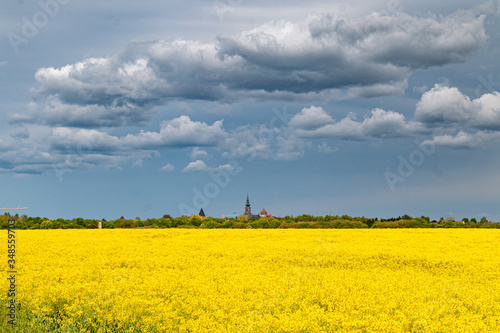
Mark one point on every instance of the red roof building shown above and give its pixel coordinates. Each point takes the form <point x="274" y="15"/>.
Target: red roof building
<point x="248" y="212"/>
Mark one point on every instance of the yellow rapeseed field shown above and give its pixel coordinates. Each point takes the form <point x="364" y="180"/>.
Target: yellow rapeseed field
<point x="180" y="280"/>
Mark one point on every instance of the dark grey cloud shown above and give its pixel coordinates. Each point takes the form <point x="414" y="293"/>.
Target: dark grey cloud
<point x="414" y="42"/>
<point x="51" y="111"/>
<point x="326" y="52"/>
<point x="322" y="55"/>
<point x="24" y="155"/>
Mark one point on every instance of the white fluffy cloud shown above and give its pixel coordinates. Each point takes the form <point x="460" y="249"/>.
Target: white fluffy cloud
<point x="168" y="168"/>
<point x="42" y="153"/>
<point x="380" y="124"/>
<point x="198" y="153"/>
<point x="66" y="148"/>
<point x="488" y="115"/>
<point x="175" y="133"/>
<point x="389" y="124"/>
<point x="311" y="118"/>
<point x="464" y="140"/>
<point x="178" y="132"/>
<point x="199" y="165"/>
<point x="102" y="81"/>
<point x="444" y="105"/>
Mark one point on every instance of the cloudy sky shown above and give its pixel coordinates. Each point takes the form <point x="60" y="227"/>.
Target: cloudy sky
<point x="145" y="108"/>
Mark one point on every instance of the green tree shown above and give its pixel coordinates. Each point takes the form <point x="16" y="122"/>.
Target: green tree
<point x="79" y="221"/>
<point x="21" y="224"/>
<point x="90" y="224"/>
<point x="123" y="223"/>
<point x="180" y="220"/>
<point x="484" y="219"/>
<point x="195" y="220"/>
<point x="4" y="222"/>
<point x="473" y="220"/>
<point x="47" y="224"/>
<point x="164" y="222"/>
<point x="465" y="219"/>
<point x="209" y="223"/>
<point x="108" y="224"/>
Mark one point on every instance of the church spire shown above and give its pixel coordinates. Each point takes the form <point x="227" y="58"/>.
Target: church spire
<point x="248" y="211"/>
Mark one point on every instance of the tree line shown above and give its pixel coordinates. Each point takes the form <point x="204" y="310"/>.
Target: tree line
<point x="302" y="221"/>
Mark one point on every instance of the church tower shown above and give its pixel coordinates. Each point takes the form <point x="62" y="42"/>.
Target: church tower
<point x="248" y="211"/>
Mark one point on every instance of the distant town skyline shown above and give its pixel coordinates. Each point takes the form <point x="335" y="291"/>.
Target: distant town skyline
<point x="378" y="109"/>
